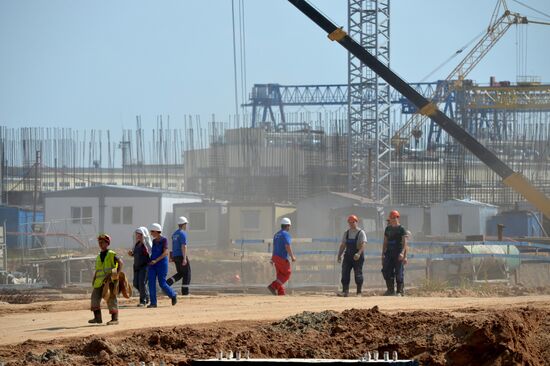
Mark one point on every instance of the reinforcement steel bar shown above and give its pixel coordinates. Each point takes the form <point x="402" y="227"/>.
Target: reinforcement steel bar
<point x="515" y="180"/>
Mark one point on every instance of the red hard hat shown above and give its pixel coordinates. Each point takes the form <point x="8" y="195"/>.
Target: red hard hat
<point x="353" y="218"/>
<point x="394" y="214"/>
<point x="104" y="237"/>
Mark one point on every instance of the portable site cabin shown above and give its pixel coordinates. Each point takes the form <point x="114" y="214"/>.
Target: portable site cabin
<point x="256" y="220"/>
<point x="517" y="223"/>
<point x="20" y="225"/>
<point x="208" y="222"/>
<point x="460" y="218"/>
<point x="415" y="219"/>
<point x="116" y="210"/>
<point x="324" y="215"/>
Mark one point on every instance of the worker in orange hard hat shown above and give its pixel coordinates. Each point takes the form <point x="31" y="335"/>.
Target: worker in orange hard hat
<point x="394" y="255"/>
<point x="352" y="246"/>
<point x="107" y="266"/>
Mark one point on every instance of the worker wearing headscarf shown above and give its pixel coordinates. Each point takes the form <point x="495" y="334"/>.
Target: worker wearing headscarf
<point x="107" y="266"/>
<point x="158" y="266"/>
<point x="142" y="256"/>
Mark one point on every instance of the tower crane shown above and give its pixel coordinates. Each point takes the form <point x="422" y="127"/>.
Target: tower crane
<point x="515" y="180"/>
<point x="498" y="26"/>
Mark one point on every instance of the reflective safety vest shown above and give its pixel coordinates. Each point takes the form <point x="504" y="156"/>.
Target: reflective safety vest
<point x="104" y="268"/>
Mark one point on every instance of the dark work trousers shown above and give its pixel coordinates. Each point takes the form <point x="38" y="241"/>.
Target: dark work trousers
<point x="183" y="273"/>
<point x="140" y="283"/>
<point x="348" y="263"/>
<point x="393" y="268"/>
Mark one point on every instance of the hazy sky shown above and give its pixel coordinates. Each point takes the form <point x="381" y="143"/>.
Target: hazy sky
<point x="97" y="64"/>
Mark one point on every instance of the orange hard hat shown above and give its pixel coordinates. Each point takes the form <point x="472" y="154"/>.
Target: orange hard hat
<point x="394" y="214"/>
<point x="353" y="218"/>
<point x="106" y="238"/>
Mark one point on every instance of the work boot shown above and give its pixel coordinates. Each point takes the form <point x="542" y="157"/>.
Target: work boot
<point x="151" y="306"/>
<point x="97" y="318"/>
<point x="359" y="290"/>
<point x="114" y="319"/>
<point x="170" y="281"/>
<point x="272" y="290"/>
<point x="390" y="288"/>
<point x="344" y="293"/>
<point x="174" y="300"/>
<point x="400" y="289"/>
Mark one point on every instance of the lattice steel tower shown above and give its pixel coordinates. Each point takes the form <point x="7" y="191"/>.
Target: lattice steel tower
<point x="369" y="102"/>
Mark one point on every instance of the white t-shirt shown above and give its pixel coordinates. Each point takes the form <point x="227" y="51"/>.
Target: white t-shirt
<point x="362" y="238"/>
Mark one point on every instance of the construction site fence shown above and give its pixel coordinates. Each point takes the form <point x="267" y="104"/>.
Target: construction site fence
<point x="317" y="264"/>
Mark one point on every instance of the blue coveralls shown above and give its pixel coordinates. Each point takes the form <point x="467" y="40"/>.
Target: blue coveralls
<point x="348" y="263"/>
<point x="392" y="268"/>
<point x="159" y="271"/>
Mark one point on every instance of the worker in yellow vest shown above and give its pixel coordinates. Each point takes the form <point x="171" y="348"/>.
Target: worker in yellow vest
<point x="106" y="264"/>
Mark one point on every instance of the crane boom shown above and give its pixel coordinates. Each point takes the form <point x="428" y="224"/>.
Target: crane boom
<point x="512" y="179"/>
<point x="496" y="29"/>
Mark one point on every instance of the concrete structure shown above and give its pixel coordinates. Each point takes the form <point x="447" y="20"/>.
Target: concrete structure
<point x="255" y="220"/>
<point x="208" y="223"/>
<point x="458" y="218"/>
<point x="324" y="215"/>
<point x="116" y="210"/>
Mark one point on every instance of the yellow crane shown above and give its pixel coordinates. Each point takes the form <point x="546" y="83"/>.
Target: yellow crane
<point x="515" y="180"/>
<point x="498" y="26"/>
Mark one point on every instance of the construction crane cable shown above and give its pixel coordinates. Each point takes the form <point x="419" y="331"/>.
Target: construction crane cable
<point x="235" y="62"/>
<point x="456" y="53"/>
<point x="242" y="38"/>
<point x="535" y="10"/>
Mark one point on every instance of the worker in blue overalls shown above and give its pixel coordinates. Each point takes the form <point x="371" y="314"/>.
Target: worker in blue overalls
<point x="353" y="247"/>
<point x="158" y="267"/>
<point x="394" y="255"/>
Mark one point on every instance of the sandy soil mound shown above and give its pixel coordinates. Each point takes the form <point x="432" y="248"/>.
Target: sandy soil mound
<point x="480" y="337"/>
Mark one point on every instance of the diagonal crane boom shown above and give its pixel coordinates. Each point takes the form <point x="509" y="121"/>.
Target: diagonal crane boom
<point x="512" y="179"/>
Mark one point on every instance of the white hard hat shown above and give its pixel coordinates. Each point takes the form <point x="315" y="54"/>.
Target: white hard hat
<point x="286" y="221"/>
<point x="155" y="227"/>
<point x="182" y="220"/>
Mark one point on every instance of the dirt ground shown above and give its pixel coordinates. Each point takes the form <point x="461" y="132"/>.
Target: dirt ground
<point x="439" y="330"/>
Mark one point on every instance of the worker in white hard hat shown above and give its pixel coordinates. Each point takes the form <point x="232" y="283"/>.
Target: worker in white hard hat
<point x="179" y="256"/>
<point x="282" y="254"/>
<point x="158" y="267"/>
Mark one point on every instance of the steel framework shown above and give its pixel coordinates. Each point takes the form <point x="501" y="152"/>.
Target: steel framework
<point x="369" y="119"/>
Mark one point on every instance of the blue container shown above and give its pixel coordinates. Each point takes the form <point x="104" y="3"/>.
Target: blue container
<point x="19" y="220"/>
<point x="517" y="224"/>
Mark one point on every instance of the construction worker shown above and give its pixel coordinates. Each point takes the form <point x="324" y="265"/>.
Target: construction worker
<point x="158" y="267"/>
<point x="353" y="247"/>
<point x="107" y="265"/>
<point x="282" y="252"/>
<point x="179" y="257"/>
<point x="142" y="256"/>
<point x="394" y="255"/>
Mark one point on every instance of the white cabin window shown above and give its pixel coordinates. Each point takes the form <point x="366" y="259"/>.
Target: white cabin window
<point x="197" y="221"/>
<point x="122" y="215"/>
<point x="455" y="223"/>
<point x="250" y="219"/>
<point x="81" y="215"/>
